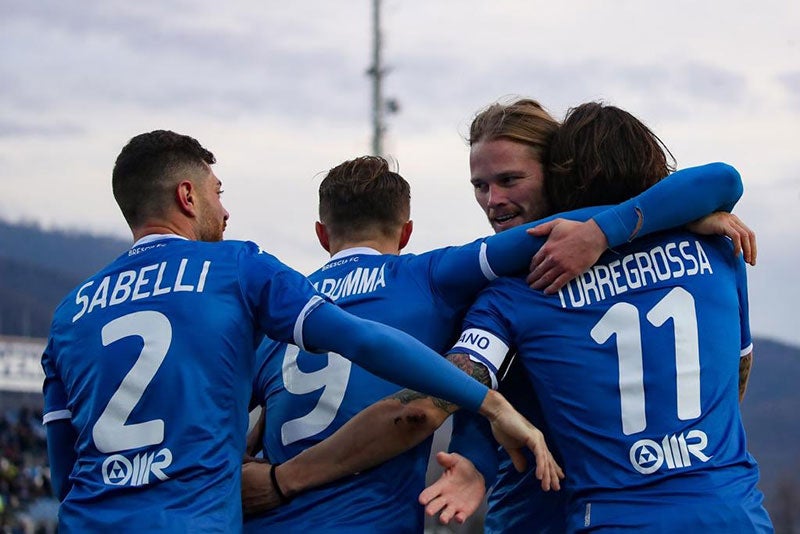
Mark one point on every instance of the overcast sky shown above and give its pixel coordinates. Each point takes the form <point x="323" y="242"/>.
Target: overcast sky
<point x="278" y="92"/>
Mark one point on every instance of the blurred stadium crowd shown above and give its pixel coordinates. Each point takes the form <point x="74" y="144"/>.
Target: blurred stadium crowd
<point x="26" y="502"/>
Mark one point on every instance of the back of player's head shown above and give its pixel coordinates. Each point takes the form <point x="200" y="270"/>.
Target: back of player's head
<point x="362" y="195"/>
<point x="602" y="155"/>
<point x="523" y="121"/>
<point x="150" y="166"/>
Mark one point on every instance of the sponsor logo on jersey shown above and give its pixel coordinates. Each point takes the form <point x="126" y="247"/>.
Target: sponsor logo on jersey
<point x="674" y="452"/>
<point x="120" y="471"/>
<point x="145" y="248"/>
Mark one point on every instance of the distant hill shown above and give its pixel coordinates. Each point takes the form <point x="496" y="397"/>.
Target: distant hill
<point x="38" y="268"/>
<point x="771" y="414"/>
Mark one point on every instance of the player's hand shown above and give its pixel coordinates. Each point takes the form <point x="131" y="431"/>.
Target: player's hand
<point x="457" y="493"/>
<point x="571" y="248"/>
<point x="731" y="226"/>
<point x="513" y="432"/>
<point x="258" y="494"/>
<point x="256" y="433"/>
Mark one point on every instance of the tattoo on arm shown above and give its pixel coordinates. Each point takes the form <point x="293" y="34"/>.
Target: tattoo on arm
<point x="406" y="396"/>
<point x="745" y="364"/>
<point x="476" y="370"/>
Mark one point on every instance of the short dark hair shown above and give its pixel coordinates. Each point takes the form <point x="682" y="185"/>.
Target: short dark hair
<point x="147" y="169"/>
<point x="602" y="154"/>
<point x="362" y="194"/>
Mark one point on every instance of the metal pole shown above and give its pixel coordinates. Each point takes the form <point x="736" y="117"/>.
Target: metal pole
<point x="376" y="72"/>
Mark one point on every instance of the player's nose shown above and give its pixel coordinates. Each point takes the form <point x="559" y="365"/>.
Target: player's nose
<point x="496" y="196"/>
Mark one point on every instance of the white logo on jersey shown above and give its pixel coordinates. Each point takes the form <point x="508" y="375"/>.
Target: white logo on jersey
<point x="119" y="471"/>
<point x="647" y="456"/>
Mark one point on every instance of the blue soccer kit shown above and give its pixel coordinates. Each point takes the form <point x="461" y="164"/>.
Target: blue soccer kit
<point x="516" y="502"/>
<point x="150" y="364"/>
<point x="636" y="365"/>
<point x="148" y="359"/>
<point x="308" y="398"/>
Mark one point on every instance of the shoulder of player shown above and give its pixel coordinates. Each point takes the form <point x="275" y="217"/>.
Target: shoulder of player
<point x="674" y="235"/>
<point x="675" y="243"/>
<point x="508" y="284"/>
<point x="240" y="249"/>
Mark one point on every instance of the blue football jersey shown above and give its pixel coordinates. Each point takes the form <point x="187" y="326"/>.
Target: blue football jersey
<point x="152" y="360"/>
<point x="309" y="397"/>
<point x="636" y="366"/>
<point x="516" y="503"/>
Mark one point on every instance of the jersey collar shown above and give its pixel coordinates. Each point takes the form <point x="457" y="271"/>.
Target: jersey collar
<point x="150" y="238"/>
<point x="353" y="251"/>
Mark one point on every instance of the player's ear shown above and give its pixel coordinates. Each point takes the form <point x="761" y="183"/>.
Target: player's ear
<point x="322" y="235"/>
<point x="405" y="233"/>
<point x="185" y="197"/>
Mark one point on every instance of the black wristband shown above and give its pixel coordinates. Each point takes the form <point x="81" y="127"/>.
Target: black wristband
<point x="281" y="496"/>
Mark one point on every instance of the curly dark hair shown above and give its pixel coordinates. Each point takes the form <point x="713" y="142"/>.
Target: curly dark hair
<point x="149" y="166"/>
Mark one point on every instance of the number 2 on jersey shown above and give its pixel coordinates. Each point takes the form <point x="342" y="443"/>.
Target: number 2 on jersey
<point x="332" y="379"/>
<point x="622" y="320"/>
<point x="110" y="433"/>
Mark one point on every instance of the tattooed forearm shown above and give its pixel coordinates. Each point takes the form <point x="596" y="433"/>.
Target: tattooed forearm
<point x="406" y="396"/>
<point x="745" y="364"/>
<point x="478" y="371"/>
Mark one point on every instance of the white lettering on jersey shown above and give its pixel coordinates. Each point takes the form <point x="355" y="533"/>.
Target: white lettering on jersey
<point x="482" y="347"/>
<point x="148" y="281"/>
<point x="661" y="263"/>
<point x="356" y="282"/>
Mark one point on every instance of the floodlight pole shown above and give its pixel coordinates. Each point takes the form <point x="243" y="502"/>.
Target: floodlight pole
<point x="376" y="72"/>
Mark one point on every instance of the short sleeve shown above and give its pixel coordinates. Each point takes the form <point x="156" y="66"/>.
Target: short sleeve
<point x="486" y="334"/>
<point x="746" y="342"/>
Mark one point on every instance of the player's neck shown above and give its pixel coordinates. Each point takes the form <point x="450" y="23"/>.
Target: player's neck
<point x="162" y="227"/>
<point x="384" y="246"/>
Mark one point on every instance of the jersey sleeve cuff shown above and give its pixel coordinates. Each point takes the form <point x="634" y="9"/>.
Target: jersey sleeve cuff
<point x="56" y="415"/>
<point x="310" y="306"/>
<point x="486" y="268"/>
<point x="617" y="230"/>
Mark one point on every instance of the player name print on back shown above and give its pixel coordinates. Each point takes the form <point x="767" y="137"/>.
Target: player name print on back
<point x="356" y="282"/>
<point x="148" y="281"/>
<point x="639" y="269"/>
